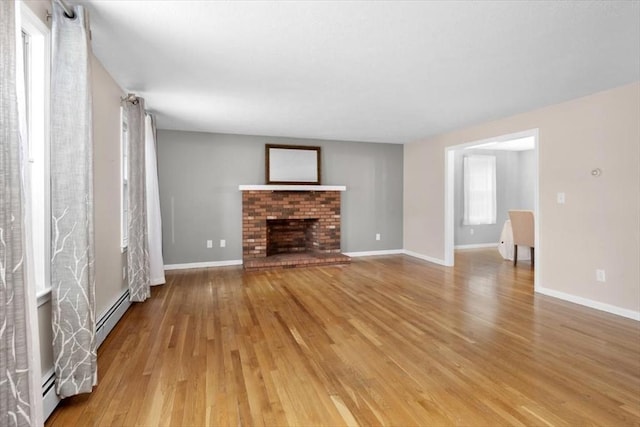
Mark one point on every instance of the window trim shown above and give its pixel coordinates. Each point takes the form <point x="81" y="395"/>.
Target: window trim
<point x="38" y="58"/>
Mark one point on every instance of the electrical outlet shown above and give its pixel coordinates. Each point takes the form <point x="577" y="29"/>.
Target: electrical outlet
<point x="209" y="244"/>
<point x="471" y="231"/>
<point x="377" y="236"/>
<point x="223" y="243"/>
<point x="560" y="198"/>
<point x="600" y="276"/>
<point x="124" y="273"/>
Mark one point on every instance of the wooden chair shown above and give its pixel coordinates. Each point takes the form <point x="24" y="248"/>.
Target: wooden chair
<point x="522" y="225"/>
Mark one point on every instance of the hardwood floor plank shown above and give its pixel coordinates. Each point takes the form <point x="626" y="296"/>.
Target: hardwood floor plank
<point x="384" y="341"/>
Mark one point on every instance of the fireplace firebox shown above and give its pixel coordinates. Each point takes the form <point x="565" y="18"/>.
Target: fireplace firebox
<point x="290" y="236"/>
<point x="290" y="228"/>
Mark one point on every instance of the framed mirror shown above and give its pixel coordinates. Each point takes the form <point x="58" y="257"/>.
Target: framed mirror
<point x="292" y="164"/>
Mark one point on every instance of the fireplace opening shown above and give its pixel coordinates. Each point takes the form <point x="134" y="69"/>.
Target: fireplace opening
<point x="292" y="236"/>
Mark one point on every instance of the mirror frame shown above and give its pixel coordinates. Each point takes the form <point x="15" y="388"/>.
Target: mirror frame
<point x="269" y="147"/>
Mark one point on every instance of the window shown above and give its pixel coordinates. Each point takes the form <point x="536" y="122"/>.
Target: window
<point x="479" y="190"/>
<point x="36" y="62"/>
<point x="124" y="172"/>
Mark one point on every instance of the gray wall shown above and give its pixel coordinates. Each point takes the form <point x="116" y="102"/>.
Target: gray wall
<point x="527" y="178"/>
<point x="515" y="181"/>
<point x="199" y="174"/>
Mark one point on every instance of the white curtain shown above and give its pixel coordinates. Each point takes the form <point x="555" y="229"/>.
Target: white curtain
<point x="72" y="233"/>
<point x="479" y="190"/>
<point x="154" y="220"/>
<point x="20" y="390"/>
<point x="138" y="244"/>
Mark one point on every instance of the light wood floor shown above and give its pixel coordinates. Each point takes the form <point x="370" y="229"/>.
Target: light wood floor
<point x="386" y="340"/>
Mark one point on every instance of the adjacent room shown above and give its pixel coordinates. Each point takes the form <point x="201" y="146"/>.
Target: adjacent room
<point x="319" y="213"/>
<point x="490" y="179"/>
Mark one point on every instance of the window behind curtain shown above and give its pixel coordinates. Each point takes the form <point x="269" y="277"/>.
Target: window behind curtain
<point x="124" y="172"/>
<point x="479" y="190"/>
<point x="26" y="57"/>
<point x="35" y="49"/>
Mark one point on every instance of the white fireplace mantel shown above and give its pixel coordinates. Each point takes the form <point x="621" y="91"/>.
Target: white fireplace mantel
<point x="287" y="187"/>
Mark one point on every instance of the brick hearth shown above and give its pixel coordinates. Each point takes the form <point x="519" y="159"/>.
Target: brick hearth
<point x="290" y="228"/>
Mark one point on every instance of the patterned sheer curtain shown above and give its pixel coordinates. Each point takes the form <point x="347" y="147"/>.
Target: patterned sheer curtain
<point x="72" y="246"/>
<point x="138" y="243"/>
<point x="20" y="394"/>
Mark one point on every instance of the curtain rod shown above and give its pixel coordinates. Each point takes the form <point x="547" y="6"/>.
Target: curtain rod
<point x="67" y="10"/>
<point x="131" y="97"/>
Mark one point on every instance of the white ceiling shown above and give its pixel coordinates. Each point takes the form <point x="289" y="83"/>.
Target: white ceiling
<point x="361" y="70"/>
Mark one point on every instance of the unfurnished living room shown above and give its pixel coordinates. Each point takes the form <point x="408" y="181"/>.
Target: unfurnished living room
<point x="305" y="213"/>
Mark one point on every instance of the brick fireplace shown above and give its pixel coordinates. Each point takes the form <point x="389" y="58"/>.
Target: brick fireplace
<point x="290" y="228"/>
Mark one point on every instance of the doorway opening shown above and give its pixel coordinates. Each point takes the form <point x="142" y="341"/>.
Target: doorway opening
<point x="510" y="151"/>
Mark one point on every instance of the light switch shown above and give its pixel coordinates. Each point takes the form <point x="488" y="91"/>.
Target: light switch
<point x="560" y="198"/>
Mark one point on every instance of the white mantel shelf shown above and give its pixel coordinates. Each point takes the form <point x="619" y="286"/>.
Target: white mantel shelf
<point x="292" y="188"/>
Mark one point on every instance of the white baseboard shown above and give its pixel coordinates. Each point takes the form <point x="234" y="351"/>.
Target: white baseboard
<point x="630" y="314"/>
<point x="109" y="318"/>
<point x="374" y="253"/>
<point x="202" y="264"/>
<point x="424" y="257"/>
<point x="477" y="246"/>
<point x="105" y="324"/>
<point x="50" y="399"/>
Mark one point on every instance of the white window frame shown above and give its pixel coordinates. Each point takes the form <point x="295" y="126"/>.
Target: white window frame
<point x="124" y="180"/>
<point x="37" y="88"/>
<point x="480" y="205"/>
